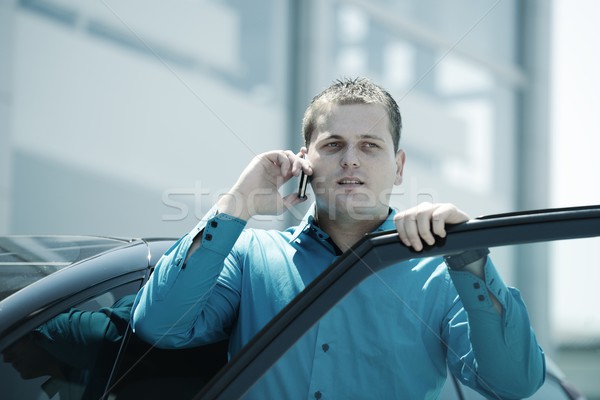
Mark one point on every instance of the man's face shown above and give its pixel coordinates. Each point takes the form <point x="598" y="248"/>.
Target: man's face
<point x="353" y="160"/>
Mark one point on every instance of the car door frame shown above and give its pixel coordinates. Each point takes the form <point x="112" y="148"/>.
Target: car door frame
<point x="374" y="253"/>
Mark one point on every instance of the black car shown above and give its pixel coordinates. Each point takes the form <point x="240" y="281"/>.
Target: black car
<point x="65" y="302"/>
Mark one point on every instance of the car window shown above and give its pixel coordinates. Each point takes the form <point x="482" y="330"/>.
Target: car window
<point x="379" y="355"/>
<point x="71" y="355"/>
<point x="149" y="372"/>
<point x="27" y="259"/>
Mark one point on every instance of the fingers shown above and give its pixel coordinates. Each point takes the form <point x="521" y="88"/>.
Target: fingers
<point x="424" y="229"/>
<point x="414" y="226"/>
<point x="301" y="163"/>
<point x="439" y="217"/>
<point x="419" y="225"/>
<point x="302" y="152"/>
<point x="281" y="165"/>
<point x="446" y="214"/>
<point x="291" y="164"/>
<point x="285" y="160"/>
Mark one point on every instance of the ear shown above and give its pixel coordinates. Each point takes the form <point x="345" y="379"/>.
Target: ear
<point x="400" y="160"/>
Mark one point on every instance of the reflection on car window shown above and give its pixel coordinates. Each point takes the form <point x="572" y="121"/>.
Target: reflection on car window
<point x="380" y="357"/>
<point x="376" y="357"/>
<point x="71" y="355"/>
<point x="26" y="259"/>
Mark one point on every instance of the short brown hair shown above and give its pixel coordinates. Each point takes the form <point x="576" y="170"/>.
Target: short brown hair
<point x="353" y="91"/>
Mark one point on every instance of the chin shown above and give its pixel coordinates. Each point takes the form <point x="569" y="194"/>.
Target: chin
<point x="357" y="207"/>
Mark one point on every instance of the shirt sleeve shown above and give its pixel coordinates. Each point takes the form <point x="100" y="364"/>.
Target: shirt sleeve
<point x="77" y="337"/>
<point x="181" y="305"/>
<point x="501" y="357"/>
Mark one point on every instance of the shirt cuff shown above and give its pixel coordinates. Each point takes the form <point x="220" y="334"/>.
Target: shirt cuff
<point x="219" y="231"/>
<point x="475" y="292"/>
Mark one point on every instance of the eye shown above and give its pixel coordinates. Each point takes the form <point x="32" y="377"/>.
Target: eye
<point x="371" y="145"/>
<point x="333" y="144"/>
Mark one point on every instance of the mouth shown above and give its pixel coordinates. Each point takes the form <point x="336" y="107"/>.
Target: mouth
<point x="350" y="181"/>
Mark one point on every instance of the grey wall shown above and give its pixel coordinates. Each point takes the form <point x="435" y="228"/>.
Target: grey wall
<point x="7" y="10"/>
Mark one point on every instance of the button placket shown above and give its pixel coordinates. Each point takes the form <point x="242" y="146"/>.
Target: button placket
<point x="322" y="361"/>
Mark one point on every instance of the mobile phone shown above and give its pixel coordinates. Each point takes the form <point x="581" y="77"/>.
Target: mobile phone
<point x="302" y="185"/>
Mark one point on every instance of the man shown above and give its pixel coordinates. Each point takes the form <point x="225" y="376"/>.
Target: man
<point x="222" y="280"/>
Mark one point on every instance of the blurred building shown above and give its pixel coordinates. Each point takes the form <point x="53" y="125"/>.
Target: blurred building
<point x="130" y="118"/>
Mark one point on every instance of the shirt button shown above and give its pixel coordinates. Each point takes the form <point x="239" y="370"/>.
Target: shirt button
<point x="481" y="297"/>
<point x="213" y="224"/>
<point x="318" y="395"/>
<point x="208" y="237"/>
<point x="325" y="347"/>
<point x="476" y="285"/>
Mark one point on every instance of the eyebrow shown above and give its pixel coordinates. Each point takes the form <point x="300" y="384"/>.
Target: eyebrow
<point x="365" y="136"/>
<point x="372" y="137"/>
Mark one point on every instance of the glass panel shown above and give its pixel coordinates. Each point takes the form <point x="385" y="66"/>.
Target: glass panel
<point x="71" y="355"/>
<point x="26" y="259"/>
<point x="398" y="335"/>
<point x="149" y="372"/>
<point x="574" y="289"/>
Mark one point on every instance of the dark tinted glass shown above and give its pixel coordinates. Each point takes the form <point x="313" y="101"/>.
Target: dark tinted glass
<point x="72" y="354"/>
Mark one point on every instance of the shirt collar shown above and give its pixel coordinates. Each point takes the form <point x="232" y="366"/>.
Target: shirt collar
<point x="308" y="224"/>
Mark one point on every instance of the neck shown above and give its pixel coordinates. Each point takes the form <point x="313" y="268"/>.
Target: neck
<point x="346" y="230"/>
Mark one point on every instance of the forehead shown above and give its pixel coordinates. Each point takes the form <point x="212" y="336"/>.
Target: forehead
<point x="348" y="120"/>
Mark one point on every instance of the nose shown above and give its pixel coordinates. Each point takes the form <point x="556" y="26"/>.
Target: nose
<point x="350" y="158"/>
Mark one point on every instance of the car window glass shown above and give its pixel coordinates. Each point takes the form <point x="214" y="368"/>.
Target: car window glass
<point x="72" y="354"/>
<point x="27" y="259"/>
<point x="357" y="340"/>
<point x="149" y="372"/>
<point x="573" y="320"/>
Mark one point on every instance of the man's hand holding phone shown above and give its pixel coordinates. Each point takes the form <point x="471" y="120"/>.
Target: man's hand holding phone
<point x="257" y="190"/>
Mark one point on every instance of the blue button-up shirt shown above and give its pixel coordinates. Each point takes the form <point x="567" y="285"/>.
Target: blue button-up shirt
<point x="391" y="337"/>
